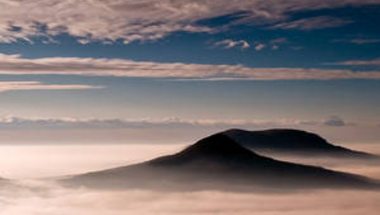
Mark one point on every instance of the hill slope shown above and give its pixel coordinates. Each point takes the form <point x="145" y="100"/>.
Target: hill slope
<point x="294" y="142"/>
<point x="218" y="162"/>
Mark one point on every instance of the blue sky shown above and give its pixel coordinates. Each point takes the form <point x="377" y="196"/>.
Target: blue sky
<point x="252" y="64"/>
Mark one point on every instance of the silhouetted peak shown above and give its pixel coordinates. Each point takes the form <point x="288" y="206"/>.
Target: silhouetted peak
<point x="282" y="133"/>
<point x="295" y="133"/>
<point x="293" y="141"/>
<point x="278" y="138"/>
<point x="219" y="160"/>
<point x="217" y="145"/>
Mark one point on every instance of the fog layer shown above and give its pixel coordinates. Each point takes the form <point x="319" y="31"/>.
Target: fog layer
<point x="40" y="197"/>
<point x="48" y="199"/>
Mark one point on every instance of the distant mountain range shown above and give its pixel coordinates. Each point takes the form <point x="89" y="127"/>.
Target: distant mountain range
<point x="293" y="142"/>
<point x="219" y="162"/>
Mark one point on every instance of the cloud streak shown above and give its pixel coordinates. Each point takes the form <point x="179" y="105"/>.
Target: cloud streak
<point x="319" y="22"/>
<point x="228" y="44"/>
<point x="375" y="62"/>
<point x="93" y="123"/>
<point x="35" y="85"/>
<point x="128" y="20"/>
<point x="116" y="123"/>
<point x="335" y="121"/>
<point x="16" y="65"/>
<point x="360" y="41"/>
<point x="259" y="47"/>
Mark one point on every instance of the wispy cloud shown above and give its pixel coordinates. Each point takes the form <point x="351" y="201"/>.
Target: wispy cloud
<point x="16" y="65"/>
<point x="229" y="43"/>
<point x="275" y="43"/>
<point x="116" y="123"/>
<point x="375" y="62"/>
<point x="319" y="22"/>
<point x="128" y="20"/>
<point x="279" y="40"/>
<point x="259" y="47"/>
<point x="335" y="121"/>
<point x="362" y="41"/>
<point x="34" y="85"/>
<point x="93" y="123"/>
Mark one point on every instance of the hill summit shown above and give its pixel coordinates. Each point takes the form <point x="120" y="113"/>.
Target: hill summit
<point x="219" y="162"/>
<point x="293" y="142"/>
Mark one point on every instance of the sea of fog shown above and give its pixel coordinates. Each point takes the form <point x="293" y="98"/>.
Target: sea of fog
<point x="29" y="196"/>
<point x="41" y="161"/>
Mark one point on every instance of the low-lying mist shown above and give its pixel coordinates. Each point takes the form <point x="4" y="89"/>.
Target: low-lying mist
<point x="43" y="197"/>
<point x="34" y="198"/>
<point x="369" y="168"/>
<point x="40" y="161"/>
<point x="362" y="167"/>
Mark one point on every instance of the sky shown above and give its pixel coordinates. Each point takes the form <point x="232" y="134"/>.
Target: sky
<point x="143" y="71"/>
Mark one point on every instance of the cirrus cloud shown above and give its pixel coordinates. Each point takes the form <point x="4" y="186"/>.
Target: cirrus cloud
<point x="116" y="123"/>
<point x="16" y="65"/>
<point x="360" y="41"/>
<point x="319" y="22"/>
<point x="375" y="62"/>
<point x="35" y="85"/>
<point x="228" y="44"/>
<point x="130" y="20"/>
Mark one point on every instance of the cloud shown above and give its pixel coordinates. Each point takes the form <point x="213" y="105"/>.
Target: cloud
<point x="43" y="198"/>
<point x="16" y="65"/>
<point x="228" y="44"/>
<point x="375" y="62"/>
<point x="117" y="123"/>
<point x="362" y="41"/>
<point x="34" y="85"/>
<point x="273" y="44"/>
<point x="128" y="20"/>
<point x="335" y="121"/>
<point x="259" y="47"/>
<point x="280" y="40"/>
<point x="91" y="123"/>
<point x="319" y="22"/>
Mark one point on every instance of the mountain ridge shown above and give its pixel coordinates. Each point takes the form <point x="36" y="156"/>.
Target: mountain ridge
<point x="218" y="162"/>
<point x="293" y="142"/>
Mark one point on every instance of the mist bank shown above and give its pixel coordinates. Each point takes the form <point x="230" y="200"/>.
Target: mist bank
<point x="36" y="198"/>
<point x="42" y="161"/>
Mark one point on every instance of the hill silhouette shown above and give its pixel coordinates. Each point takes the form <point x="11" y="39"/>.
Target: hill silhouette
<point x="293" y="142"/>
<point x="218" y="162"/>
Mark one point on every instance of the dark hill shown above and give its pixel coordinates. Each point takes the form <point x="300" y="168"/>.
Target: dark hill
<point x="218" y="162"/>
<point x="295" y="142"/>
